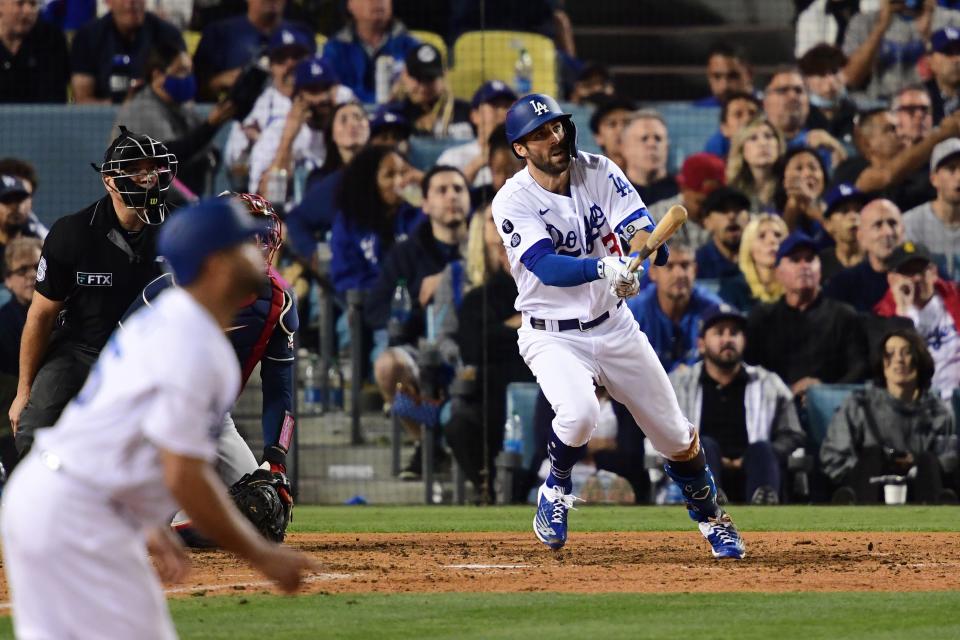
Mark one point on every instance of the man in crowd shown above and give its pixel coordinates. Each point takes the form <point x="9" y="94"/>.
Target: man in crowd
<point x="937" y="223"/>
<point x="607" y="122"/>
<point x="669" y="310"/>
<point x="880" y="231"/>
<point x="228" y="45"/>
<point x="726" y="212"/>
<point x="13" y="217"/>
<point x="593" y="85"/>
<point x="33" y="55"/>
<point x="830" y="107"/>
<point x="805" y="338"/>
<point x="28" y="176"/>
<point x="487" y="110"/>
<point x="645" y="147"/>
<point x="944" y="87"/>
<point x="912" y="108"/>
<point x="727" y="72"/>
<point x="747" y="421"/>
<point x="787" y="106"/>
<point x="700" y="174"/>
<point x="737" y="110"/>
<point x="427" y="102"/>
<point x="841" y="218"/>
<point x="108" y="54"/>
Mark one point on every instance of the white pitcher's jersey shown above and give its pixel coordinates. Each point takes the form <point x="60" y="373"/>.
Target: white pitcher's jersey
<point x="165" y="381"/>
<point x="601" y="209"/>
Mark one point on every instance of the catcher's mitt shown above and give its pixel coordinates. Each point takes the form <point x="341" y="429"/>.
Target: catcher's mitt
<point x="258" y="497"/>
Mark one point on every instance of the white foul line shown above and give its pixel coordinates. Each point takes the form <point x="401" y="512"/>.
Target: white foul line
<point x="486" y="566"/>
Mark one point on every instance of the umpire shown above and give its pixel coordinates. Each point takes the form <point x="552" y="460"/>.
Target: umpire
<point x="94" y="263"/>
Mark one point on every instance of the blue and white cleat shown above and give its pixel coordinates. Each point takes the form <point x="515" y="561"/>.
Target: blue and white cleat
<point x="723" y="537"/>
<point x="550" y="522"/>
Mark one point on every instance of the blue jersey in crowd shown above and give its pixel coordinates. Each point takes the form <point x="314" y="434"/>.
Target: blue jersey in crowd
<point x="674" y="344"/>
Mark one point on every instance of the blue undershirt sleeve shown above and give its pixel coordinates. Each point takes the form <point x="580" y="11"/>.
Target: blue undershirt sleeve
<point x="558" y="271"/>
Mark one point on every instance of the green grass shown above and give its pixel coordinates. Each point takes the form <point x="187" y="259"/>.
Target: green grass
<point x="745" y="616"/>
<point x="369" y="519"/>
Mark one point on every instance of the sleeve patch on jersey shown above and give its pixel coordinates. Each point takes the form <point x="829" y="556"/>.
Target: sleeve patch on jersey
<point x="515" y="240"/>
<point x="42" y="270"/>
<point x="507" y="226"/>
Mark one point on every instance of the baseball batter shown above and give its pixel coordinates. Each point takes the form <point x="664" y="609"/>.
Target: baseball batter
<point x="97" y="490"/>
<point x="563" y="219"/>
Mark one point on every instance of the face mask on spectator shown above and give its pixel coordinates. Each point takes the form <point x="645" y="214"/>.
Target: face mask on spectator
<point x="181" y="88"/>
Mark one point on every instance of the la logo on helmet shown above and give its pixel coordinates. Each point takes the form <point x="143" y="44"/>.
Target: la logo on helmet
<point x="539" y="108"/>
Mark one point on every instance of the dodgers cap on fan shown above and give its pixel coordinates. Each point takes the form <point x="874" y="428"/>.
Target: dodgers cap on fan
<point x="199" y="230"/>
<point x="842" y="193"/>
<point x="491" y="91"/>
<point x="285" y="38"/>
<point x="794" y="241"/>
<point x="314" y="72"/>
<point x="12" y="188"/>
<point x="384" y="118"/>
<point x="424" y="63"/>
<point x="944" y="39"/>
<point x="722" y="311"/>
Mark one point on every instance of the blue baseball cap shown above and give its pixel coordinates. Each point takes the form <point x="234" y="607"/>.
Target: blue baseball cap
<point x="491" y="91"/>
<point x="840" y="194"/>
<point x="200" y="230"/>
<point x="289" y="39"/>
<point x="794" y="241"/>
<point x="722" y="311"/>
<point x="314" y="72"/>
<point x="384" y="118"/>
<point x="12" y="188"/>
<point x="946" y="38"/>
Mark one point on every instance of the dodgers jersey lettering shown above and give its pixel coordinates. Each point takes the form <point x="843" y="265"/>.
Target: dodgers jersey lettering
<point x="602" y="209"/>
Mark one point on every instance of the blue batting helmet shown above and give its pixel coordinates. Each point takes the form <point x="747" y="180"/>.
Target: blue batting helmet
<point x="531" y="111"/>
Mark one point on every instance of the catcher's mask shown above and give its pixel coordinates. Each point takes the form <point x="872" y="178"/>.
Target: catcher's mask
<point x="142" y="170"/>
<point x="271" y="241"/>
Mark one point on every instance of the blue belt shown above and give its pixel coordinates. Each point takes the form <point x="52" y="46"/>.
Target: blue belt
<point x="569" y="325"/>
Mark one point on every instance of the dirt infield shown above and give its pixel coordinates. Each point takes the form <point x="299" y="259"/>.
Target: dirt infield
<point x="601" y="562"/>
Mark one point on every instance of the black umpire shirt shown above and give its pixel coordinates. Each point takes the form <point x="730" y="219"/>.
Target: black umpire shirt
<point x="97" y="269"/>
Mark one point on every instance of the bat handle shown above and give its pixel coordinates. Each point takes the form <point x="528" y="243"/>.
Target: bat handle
<point x="642" y="255"/>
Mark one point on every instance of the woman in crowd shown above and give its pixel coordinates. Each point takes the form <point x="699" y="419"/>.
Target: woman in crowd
<point x="754" y="152"/>
<point x="894" y="426"/>
<point x="757" y="258"/>
<point x="347" y="133"/>
<point x="801" y="179"/>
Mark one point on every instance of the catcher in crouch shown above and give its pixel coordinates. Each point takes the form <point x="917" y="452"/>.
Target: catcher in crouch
<point x="262" y="332"/>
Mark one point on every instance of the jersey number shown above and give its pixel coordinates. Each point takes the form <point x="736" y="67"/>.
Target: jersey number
<point x="623" y="188"/>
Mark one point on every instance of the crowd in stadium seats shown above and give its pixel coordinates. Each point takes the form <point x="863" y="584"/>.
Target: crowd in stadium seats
<point x="823" y="239"/>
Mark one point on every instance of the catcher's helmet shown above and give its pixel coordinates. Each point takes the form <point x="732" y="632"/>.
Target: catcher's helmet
<point x="532" y="111"/>
<point x="272" y="239"/>
<point x="127" y="149"/>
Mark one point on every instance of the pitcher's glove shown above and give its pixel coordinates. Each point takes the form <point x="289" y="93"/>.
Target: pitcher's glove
<point x="623" y="283"/>
<point x="258" y="497"/>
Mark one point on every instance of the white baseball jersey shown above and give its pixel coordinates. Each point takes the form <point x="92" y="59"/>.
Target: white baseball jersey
<point x="165" y="381"/>
<point x="602" y="207"/>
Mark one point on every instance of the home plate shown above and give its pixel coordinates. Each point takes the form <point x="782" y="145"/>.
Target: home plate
<point x="486" y="566"/>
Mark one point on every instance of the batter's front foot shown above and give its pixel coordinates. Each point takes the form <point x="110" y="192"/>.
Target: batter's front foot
<point x="724" y="539"/>
<point x="550" y="521"/>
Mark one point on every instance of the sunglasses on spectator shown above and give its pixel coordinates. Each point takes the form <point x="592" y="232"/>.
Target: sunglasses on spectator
<point x="913" y="109"/>
<point x="22" y="271"/>
<point x="782" y="91"/>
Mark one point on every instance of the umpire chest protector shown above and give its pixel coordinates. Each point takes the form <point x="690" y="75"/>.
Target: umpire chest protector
<point x="97" y="269"/>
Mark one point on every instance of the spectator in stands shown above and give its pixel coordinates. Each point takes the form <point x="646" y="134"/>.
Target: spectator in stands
<point x="726" y="212"/>
<point x="28" y="176"/>
<point x="228" y="45"/>
<point x="13" y="219"/>
<point x="757" y="260"/>
<point x="841" y="218"/>
<point x="371" y="32"/>
<point x="607" y="122"/>
<point x="33" y="55"/>
<point x="753" y="154"/>
<point x="419" y="263"/>
<point x="918" y="292"/>
<point x="669" y="310"/>
<point x="937" y="223"/>
<point x="369" y="222"/>
<point x="801" y="178"/>
<point x="108" y="54"/>
<point x="162" y="108"/>
<point x="893" y="426"/>
<point x="804" y="337"/>
<point x="831" y="109"/>
<point x="347" y="132"/>
<point x="943" y="88"/>
<point x="426" y="101"/>
<point x="880" y="232"/>
<point x="701" y="174"/>
<point x="286" y="49"/>
<point x="296" y="141"/>
<point x="644" y="146"/>
<point x="912" y="108"/>
<point x="487" y="110"/>
<point x="593" y="85"/>
<point x="884" y="46"/>
<point x="745" y="415"/>
<point x="737" y="111"/>
<point x="390" y="129"/>
<point x="728" y="71"/>
<point x="822" y="21"/>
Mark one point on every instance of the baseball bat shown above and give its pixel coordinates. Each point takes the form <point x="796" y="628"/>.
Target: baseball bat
<point x="667" y="226"/>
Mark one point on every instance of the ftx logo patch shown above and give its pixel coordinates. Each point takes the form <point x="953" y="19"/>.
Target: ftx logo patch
<point x="94" y="279"/>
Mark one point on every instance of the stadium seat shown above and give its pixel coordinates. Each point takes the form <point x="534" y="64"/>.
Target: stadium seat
<point x="192" y="38"/>
<point x="479" y="56"/>
<point x="522" y="400"/>
<point x="823" y="401"/>
<point x="429" y="37"/>
<point x="425" y="150"/>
